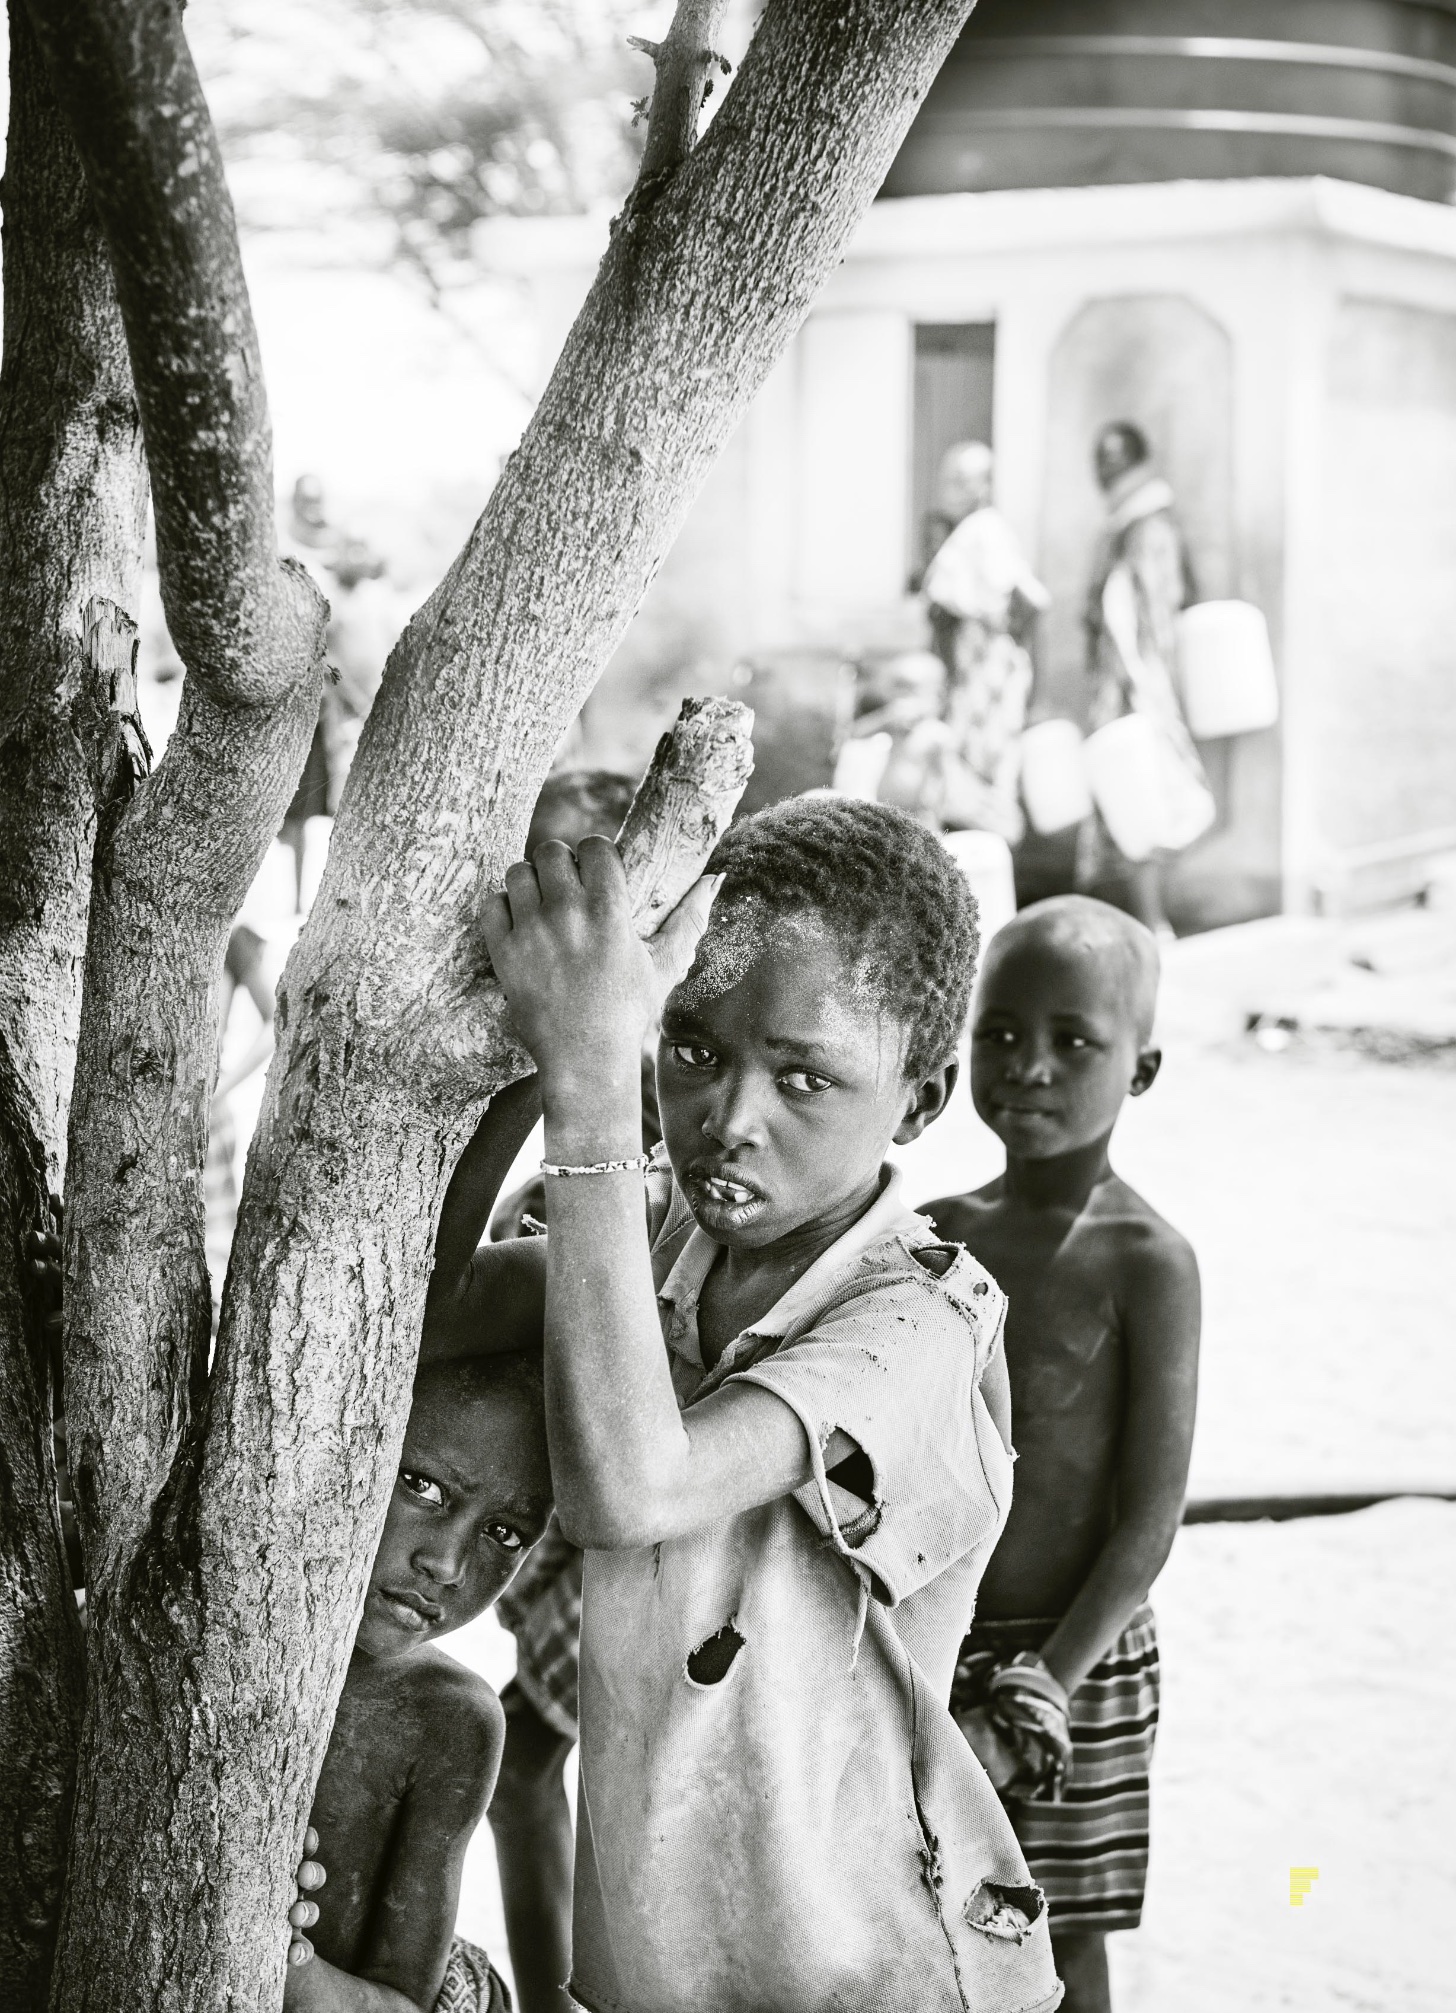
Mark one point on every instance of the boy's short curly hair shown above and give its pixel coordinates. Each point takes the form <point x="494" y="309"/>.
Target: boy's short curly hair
<point x="885" y="886"/>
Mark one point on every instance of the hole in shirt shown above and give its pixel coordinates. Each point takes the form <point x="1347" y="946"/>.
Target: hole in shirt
<point x="938" y="1258"/>
<point x="1007" y="1913"/>
<point x="854" y="1474"/>
<point x="712" y="1660"/>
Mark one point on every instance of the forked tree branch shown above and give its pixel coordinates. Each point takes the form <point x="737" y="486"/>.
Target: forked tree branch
<point x="178" y="849"/>
<point x="686" y="62"/>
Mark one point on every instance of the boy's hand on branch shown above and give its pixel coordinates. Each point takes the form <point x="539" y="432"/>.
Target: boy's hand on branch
<point x="583" y="990"/>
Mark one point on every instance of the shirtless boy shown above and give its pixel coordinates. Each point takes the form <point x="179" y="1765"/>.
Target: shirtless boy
<point x="417" y="1738"/>
<point x="775" y="1407"/>
<point x="1102" y="1349"/>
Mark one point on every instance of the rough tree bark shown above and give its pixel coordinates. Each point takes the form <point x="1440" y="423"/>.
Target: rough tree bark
<point x="72" y="504"/>
<point x="229" y="1525"/>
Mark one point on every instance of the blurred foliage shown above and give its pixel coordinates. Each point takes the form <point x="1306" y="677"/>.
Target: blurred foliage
<point x="417" y="119"/>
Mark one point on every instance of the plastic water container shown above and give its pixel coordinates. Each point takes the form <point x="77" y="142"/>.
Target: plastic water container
<point x="985" y="860"/>
<point x="1125" y="768"/>
<point x="1054" y="785"/>
<point x="1226" y="670"/>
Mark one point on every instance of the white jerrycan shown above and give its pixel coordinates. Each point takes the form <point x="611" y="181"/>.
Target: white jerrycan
<point x="1226" y="670"/>
<point x="1054" y="776"/>
<point x="1126" y="772"/>
<point x="985" y="860"/>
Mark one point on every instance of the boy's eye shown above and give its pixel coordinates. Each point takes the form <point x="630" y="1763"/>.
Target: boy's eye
<point x="692" y="1055"/>
<point x="999" y="1036"/>
<point x="1073" y="1041"/>
<point x="805" y="1081"/>
<point x="508" y="1539"/>
<point x="421" y="1488"/>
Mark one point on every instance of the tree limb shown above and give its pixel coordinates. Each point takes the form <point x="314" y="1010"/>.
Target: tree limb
<point x="685" y="62"/>
<point x="124" y="77"/>
<point x="178" y="849"/>
<point x="72" y="506"/>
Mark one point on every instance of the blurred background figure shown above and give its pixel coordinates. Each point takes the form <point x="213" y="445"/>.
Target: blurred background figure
<point x="308" y="517"/>
<point x="899" y="744"/>
<point x="577" y="804"/>
<point x="365" y="623"/>
<point x="248" y="970"/>
<point x="1141" y="582"/>
<point x="366" y="617"/>
<point x="309" y="537"/>
<point x="983" y="598"/>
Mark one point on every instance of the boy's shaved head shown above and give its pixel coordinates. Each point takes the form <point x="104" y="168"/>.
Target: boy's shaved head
<point x="1116" y="940"/>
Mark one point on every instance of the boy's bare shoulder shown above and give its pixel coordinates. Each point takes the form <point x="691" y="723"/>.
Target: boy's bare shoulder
<point x="956" y="1215"/>
<point x="438" y="1717"/>
<point x="1142" y="1239"/>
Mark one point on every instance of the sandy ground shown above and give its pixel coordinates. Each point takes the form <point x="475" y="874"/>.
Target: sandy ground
<point x="1309" y="1667"/>
<point x="1308" y="1679"/>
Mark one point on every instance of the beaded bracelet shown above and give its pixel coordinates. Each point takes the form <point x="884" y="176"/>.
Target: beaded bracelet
<point x="638" y="1164"/>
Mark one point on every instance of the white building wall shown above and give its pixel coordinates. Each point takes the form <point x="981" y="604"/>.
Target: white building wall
<point x="808" y="540"/>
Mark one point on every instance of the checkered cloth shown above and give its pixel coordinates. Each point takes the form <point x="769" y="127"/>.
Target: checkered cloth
<point x="542" y="1609"/>
<point x="1089" y="1851"/>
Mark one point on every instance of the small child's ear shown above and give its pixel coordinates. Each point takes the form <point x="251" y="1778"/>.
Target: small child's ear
<point x="930" y="1100"/>
<point x="1149" y="1062"/>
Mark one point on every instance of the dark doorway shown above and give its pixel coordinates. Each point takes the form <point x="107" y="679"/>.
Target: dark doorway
<point x="955" y="368"/>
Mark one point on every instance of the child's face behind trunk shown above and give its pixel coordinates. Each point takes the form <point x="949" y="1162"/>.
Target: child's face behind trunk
<point x="781" y="1083"/>
<point x="472" y="1497"/>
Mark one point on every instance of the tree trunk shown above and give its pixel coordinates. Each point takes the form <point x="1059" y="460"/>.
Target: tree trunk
<point x="230" y="1526"/>
<point x="72" y="505"/>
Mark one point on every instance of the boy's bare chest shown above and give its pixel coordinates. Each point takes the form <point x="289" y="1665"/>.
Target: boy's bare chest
<point x="1064" y="1344"/>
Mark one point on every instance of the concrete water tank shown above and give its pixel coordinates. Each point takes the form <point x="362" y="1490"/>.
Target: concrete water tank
<point x="1063" y="93"/>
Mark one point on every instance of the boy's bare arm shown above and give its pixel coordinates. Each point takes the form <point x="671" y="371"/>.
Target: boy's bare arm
<point x="629" y="1469"/>
<point x="1160" y="1310"/>
<point x="471" y="1303"/>
<point x="479" y="1175"/>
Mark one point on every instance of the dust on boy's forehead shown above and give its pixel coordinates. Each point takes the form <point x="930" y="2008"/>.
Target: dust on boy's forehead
<point x="870" y="882"/>
<point x="744" y="929"/>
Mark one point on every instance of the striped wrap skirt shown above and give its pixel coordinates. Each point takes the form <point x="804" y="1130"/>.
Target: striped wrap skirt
<point x="1089" y="1852"/>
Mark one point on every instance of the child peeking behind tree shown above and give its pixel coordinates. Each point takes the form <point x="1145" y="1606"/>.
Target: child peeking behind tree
<point x="417" y="1739"/>
<point x="777" y="1417"/>
<point x="1057" y="1688"/>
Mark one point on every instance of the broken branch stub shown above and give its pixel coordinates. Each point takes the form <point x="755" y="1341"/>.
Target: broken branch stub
<point x="684" y="804"/>
<point x="682" y="808"/>
<point x="684" y="60"/>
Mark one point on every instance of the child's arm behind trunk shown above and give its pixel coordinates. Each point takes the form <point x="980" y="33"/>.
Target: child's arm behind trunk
<point x="472" y="1303"/>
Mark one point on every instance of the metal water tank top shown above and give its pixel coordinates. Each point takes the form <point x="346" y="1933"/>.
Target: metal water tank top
<point x="1062" y="93"/>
